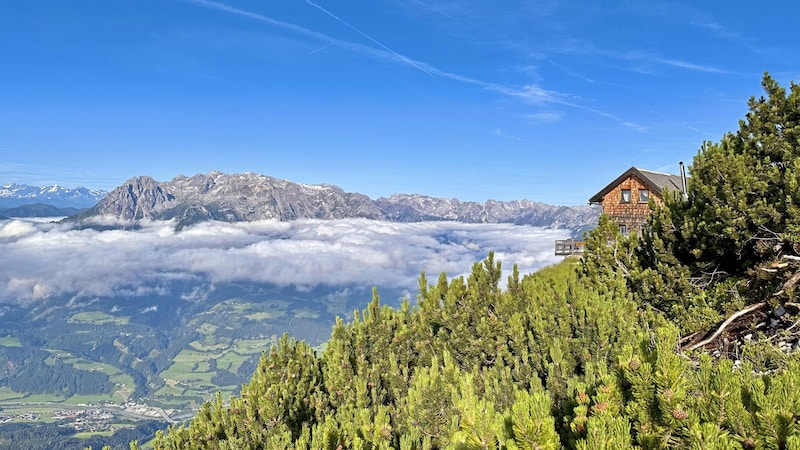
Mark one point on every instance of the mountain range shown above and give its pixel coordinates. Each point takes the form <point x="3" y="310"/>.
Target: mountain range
<point x="38" y="210"/>
<point x="133" y="323"/>
<point x="251" y="197"/>
<point x="14" y="195"/>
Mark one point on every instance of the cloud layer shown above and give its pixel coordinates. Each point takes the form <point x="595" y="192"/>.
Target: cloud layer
<point x="44" y="260"/>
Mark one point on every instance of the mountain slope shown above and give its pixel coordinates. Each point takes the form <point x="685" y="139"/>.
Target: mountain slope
<point x="13" y="195"/>
<point x="250" y="197"/>
<point x="38" y="210"/>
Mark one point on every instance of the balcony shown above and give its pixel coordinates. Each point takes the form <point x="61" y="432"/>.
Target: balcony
<point x="567" y="247"/>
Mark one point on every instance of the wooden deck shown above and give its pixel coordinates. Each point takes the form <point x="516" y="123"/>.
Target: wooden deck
<point x="568" y="247"/>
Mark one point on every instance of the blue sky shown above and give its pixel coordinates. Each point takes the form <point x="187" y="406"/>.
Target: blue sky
<point x="544" y="100"/>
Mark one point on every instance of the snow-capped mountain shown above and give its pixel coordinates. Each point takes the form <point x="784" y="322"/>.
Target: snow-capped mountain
<point x="250" y="197"/>
<point x="13" y="195"/>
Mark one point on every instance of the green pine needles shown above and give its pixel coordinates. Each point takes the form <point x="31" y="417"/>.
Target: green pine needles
<point x="587" y="354"/>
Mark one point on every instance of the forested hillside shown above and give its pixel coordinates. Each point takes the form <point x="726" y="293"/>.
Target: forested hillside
<point x="682" y="337"/>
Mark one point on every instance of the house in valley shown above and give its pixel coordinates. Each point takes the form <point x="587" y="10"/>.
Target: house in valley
<point x="626" y="198"/>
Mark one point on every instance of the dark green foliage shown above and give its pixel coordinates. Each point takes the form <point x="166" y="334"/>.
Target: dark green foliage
<point x="706" y="255"/>
<point x="36" y="371"/>
<point x="581" y="355"/>
<point x="570" y="365"/>
<point x="429" y="377"/>
<point x="59" y="436"/>
<point x="274" y="407"/>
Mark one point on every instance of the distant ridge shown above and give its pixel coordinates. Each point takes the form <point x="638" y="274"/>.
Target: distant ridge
<point x="14" y="195"/>
<point x="250" y="197"/>
<point x="38" y="210"/>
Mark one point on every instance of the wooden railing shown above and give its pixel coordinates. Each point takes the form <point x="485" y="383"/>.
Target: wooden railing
<point x="568" y="247"/>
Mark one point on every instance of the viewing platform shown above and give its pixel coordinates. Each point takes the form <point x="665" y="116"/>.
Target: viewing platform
<point x="568" y="247"/>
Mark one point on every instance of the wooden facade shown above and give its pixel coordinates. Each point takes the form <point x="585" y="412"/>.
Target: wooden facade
<point x="626" y="199"/>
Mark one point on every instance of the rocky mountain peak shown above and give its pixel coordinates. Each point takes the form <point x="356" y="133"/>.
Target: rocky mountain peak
<point x="249" y="197"/>
<point x="138" y="198"/>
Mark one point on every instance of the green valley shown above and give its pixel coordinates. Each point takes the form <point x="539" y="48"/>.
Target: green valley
<point x="111" y="360"/>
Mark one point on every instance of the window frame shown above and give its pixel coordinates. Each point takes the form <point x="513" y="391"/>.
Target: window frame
<point x="622" y="196"/>
<point x="646" y="193"/>
<point x="623" y="229"/>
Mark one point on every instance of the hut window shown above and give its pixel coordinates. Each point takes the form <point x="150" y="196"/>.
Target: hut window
<point x="626" y="196"/>
<point x="623" y="229"/>
<point x="644" y="195"/>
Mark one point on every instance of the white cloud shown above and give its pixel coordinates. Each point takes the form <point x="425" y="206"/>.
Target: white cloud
<point x="546" y="117"/>
<point x="41" y="261"/>
<point x="689" y="66"/>
<point x="502" y="134"/>
<point x="16" y="229"/>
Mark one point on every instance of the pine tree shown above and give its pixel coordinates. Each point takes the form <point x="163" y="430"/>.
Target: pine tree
<point x="740" y="222"/>
<point x="532" y="422"/>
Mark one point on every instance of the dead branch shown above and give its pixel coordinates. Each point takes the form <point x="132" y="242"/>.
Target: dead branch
<point x="796" y="323"/>
<point x="789" y="284"/>
<point x="775" y="236"/>
<point x="791" y="257"/>
<point x="688" y="338"/>
<point x="727" y="322"/>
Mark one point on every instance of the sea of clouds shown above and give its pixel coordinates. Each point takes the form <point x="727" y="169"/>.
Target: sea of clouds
<point x="44" y="260"/>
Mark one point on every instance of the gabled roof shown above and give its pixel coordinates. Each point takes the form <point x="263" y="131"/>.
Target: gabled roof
<point x="655" y="181"/>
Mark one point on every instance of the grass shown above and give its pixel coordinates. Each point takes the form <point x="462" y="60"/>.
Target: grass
<point x="170" y="390"/>
<point x="88" y="434"/>
<point x="97" y="318"/>
<point x="264" y="315"/>
<point x="124" y="390"/>
<point x="87" y="399"/>
<point x="91" y="366"/>
<point x="189" y="356"/>
<point x="231" y="361"/>
<point x="190" y="374"/>
<point x="188" y="378"/>
<point x="44" y="398"/>
<point x="190" y="370"/>
<point x="123" y="381"/>
<point x="237" y="305"/>
<point x="256" y="345"/>
<point x="9" y="341"/>
<point x="200" y="380"/>
<point x="262" y="310"/>
<point x="202" y="347"/>
<point x="207" y="328"/>
<point x="7" y="394"/>
<point x="120" y="346"/>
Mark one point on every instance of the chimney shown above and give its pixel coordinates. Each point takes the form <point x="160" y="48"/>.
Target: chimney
<point x="684" y="188"/>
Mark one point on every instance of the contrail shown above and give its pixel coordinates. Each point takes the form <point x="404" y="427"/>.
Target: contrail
<point x="375" y="41"/>
<point x="319" y="49"/>
<point x="531" y="93"/>
<point x="260" y="18"/>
